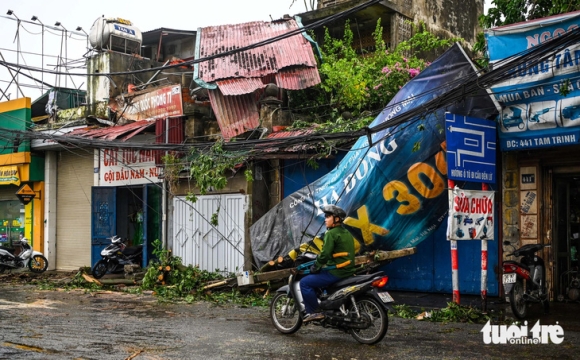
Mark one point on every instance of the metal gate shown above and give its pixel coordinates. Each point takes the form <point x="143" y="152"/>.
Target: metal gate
<point x="199" y="243"/>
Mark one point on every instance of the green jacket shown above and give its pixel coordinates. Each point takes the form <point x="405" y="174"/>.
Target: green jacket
<point x="338" y="249"/>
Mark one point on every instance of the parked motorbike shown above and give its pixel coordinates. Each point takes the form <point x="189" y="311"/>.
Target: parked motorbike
<point x="355" y="305"/>
<point x="27" y="257"/>
<point x="525" y="281"/>
<point x="115" y="256"/>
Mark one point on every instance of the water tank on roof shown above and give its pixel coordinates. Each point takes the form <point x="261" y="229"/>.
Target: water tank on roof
<point x="115" y="34"/>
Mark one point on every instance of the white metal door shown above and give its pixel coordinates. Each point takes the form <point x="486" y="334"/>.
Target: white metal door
<point x="199" y="243"/>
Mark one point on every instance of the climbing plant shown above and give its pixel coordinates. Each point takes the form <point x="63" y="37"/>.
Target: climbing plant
<point x="209" y="167"/>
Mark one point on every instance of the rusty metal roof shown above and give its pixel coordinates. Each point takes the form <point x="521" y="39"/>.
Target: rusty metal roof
<point x="235" y="114"/>
<point x="290" y="133"/>
<point x="239" y="86"/>
<point x="289" y="63"/>
<point x="121" y="132"/>
<point x="294" y="52"/>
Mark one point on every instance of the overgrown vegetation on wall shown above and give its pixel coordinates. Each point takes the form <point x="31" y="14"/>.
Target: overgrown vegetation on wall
<point x="355" y="88"/>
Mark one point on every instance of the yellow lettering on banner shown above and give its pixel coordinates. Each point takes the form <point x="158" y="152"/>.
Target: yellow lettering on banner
<point x="441" y="162"/>
<point x="365" y="225"/>
<point x="409" y="203"/>
<point x="429" y="191"/>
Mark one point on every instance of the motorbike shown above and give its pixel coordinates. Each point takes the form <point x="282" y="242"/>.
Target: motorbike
<point x="28" y="257"/>
<point x="355" y="305"/>
<point x="115" y="256"/>
<point x="525" y="281"/>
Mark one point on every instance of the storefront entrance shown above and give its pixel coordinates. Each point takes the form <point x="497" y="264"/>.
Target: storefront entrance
<point x="11" y="221"/>
<point x="566" y="242"/>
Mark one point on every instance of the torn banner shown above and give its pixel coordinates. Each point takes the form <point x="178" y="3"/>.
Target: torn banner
<point x="394" y="191"/>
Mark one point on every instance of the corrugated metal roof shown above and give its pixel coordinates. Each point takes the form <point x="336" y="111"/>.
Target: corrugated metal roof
<point x="297" y="78"/>
<point x="289" y="62"/>
<point x="256" y="62"/>
<point x="122" y="132"/>
<point x="240" y="86"/>
<point x="290" y="133"/>
<point x="235" y="114"/>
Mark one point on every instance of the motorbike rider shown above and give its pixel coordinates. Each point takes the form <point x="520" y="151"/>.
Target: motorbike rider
<point x="338" y="250"/>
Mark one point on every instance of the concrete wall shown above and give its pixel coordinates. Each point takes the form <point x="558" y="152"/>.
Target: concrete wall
<point x="449" y="18"/>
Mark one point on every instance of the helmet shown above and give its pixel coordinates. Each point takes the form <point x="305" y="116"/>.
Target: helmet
<point x="334" y="211"/>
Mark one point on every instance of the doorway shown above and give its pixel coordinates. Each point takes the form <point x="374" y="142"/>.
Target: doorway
<point x="131" y="212"/>
<point x="566" y="242"/>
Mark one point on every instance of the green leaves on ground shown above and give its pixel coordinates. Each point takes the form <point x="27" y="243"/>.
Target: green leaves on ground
<point x="452" y="313"/>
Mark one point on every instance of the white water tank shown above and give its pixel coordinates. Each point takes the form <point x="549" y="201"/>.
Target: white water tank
<point x="115" y="34"/>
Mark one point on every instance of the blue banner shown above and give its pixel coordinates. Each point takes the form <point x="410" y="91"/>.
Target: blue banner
<point x="540" y="103"/>
<point x="393" y="191"/>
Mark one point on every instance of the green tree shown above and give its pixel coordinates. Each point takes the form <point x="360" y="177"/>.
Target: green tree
<point x="360" y="85"/>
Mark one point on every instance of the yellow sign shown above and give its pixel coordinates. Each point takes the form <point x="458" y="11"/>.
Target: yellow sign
<point x="9" y="175"/>
<point x="25" y="194"/>
<point x="25" y="190"/>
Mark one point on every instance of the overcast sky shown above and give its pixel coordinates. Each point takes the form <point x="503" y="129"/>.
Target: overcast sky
<point x="144" y="14"/>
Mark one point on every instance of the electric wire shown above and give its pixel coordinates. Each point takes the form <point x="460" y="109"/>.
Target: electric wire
<point x="499" y="73"/>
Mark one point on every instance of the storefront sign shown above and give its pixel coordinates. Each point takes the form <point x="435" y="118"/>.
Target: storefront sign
<point x="470" y="215"/>
<point x="157" y="104"/>
<point x="25" y="194"/>
<point x="127" y="167"/>
<point x="540" y="100"/>
<point x="470" y="148"/>
<point x="9" y="175"/>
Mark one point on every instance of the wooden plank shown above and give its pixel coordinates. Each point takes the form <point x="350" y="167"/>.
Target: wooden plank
<point x="272" y="275"/>
<point x="377" y="256"/>
<point x="380" y="255"/>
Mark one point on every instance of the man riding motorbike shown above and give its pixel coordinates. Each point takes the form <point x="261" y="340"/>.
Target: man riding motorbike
<point x="337" y="250"/>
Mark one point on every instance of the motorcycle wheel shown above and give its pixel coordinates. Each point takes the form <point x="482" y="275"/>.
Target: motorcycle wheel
<point x="285" y="314"/>
<point x="38" y="264"/>
<point x="370" y="308"/>
<point x="517" y="302"/>
<point x="100" y="269"/>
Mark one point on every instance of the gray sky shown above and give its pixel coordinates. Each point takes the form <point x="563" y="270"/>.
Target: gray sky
<point x="144" y="14"/>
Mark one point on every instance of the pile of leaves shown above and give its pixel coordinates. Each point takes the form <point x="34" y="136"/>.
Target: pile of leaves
<point x="452" y="313"/>
<point x="170" y="279"/>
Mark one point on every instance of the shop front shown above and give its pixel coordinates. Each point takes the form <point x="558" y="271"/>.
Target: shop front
<point x="539" y="134"/>
<point x="543" y="206"/>
<point x="126" y="200"/>
<point x="20" y="170"/>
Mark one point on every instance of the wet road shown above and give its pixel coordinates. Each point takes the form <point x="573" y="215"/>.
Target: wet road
<point x="74" y="325"/>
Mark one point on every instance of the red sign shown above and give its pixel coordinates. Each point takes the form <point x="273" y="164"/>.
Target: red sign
<point x="156" y="104"/>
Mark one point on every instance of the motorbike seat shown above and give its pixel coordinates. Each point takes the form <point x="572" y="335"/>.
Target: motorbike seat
<point x="10" y="250"/>
<point x="132" y="250"/>
<point x="355" y="279"/>
<point x="518" y="264"/>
